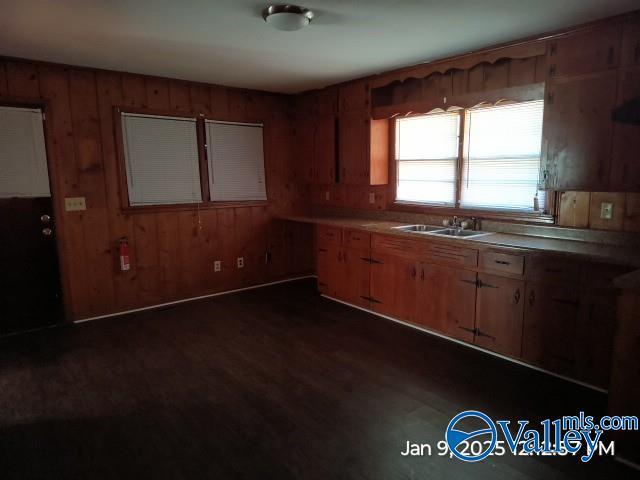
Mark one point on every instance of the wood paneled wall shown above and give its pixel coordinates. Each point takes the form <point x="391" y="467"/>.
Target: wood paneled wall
<point x="172" y="251"/>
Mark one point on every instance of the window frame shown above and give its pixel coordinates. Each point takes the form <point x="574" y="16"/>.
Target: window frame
<point x="206" y="203"/>
<point x="489" y="214"/>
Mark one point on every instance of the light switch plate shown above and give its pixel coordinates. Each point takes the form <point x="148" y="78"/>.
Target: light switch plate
<point x="372" y="197"/>
<point x="606" y="210"/>
<point x="217" y="266"/>
<point x="74" y="204"/>
<point x="327" y="195"/>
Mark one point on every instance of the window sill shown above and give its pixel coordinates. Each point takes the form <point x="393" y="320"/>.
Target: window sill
<point x="505" y="216"/>
<point x="192" y="206"/>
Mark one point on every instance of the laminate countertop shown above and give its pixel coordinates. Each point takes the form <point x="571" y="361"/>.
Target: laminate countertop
<point x="594" y="252"/>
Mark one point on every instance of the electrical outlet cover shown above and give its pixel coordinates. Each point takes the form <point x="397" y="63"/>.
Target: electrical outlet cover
<point x="75" y="204"/>
<point x="606" y="210"/>
<point x="372" y="197"/>
<point x="217" y="266"/>
<point x="240" y="262"/>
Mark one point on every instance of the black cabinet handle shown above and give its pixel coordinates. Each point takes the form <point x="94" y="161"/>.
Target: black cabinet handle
<point x="482" y="334"/>
<point x="481" y="284"/>
<point x="502" y="262"/>
<point x="377" y="262"/>
<point x="472" y="282"/>
<point x="532" y="297"/>
<point x="516" y="296"/>
<point x="413" y="272"/>
<point x="470" y="330"/>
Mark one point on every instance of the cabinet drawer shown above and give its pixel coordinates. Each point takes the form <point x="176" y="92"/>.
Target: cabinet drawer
<point x="451" y="255"/>
<point x="329" y="234"/>
<point x="386" y="244"/>
<point x="553" y="269"/>
<point x="357" y="239"/>
<point x="502" y="262"/>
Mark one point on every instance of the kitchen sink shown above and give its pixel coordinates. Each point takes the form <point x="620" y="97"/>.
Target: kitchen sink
<point x="417" y="228"/>
<point x="458" y="232"/>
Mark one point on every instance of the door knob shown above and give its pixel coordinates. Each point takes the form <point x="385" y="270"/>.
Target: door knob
<point x="47" y="232"/>
<point x="45" y="218"/>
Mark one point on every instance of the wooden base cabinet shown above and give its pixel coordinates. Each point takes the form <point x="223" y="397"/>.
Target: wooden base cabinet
<point x="550" y="322"/>
<point x="499" y="314"/>
<point x="447" y="301"/>
<point x="394" y="286"/>
<point x="330" y="268"/>
<point x="355" y="284"/>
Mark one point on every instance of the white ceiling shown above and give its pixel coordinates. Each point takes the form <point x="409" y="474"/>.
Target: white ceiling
<point x="227" y="42"/>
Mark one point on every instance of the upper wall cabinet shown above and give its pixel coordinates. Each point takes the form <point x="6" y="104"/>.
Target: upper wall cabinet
<point x="625" y="167"/>
<point x="577" y="132"/>
<point x="630" y="51"/>
<point x="588" y="51"/>
<point x="363" y="149"/>
<point x="363" y="143"/>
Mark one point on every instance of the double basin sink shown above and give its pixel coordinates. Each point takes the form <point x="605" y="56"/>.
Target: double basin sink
<point x="440" y="231"/>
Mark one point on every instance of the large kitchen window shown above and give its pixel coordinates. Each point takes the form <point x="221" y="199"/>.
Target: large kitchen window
<point x="493" y="165"/>
<point x="427" y="153"/>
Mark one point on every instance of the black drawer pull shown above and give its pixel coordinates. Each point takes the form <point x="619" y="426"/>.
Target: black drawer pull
<point x="502" y="262"/>
<point x="470" y="330"/>
<point x="482" y="334"/>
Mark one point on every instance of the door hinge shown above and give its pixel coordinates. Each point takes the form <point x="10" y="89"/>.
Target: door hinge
<point x="552" y="70"/>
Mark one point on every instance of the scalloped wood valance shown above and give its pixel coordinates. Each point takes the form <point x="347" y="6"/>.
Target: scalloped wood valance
<point x="463" y="62"/>
<point x="522" y="93"/>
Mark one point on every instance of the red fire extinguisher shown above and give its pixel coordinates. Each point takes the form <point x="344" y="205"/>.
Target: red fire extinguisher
<point x="123" y="253"/>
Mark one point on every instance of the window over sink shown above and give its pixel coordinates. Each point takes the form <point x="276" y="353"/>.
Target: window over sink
<point x="484" y="158"/>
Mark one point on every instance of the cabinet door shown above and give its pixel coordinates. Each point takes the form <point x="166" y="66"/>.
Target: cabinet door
<point x="594" y="336"/>
<point x="394" y="286"/>
<point x="354" y="141"/>
<point x="630" y="53"/>
<point x="324" y="149"/>
<point x="330" y="268"/>
<point x="447" y="301"/>
<point x="588" y="51"/>
<point x="550" y="321"/>
<point x="355" y="287"/>
<point x="578" y="132"/>
<point x="625" y="167"/>
<point x="499" y="314"/>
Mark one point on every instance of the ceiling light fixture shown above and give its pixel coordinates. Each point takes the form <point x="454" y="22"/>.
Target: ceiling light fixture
<point x="287" y="17"/>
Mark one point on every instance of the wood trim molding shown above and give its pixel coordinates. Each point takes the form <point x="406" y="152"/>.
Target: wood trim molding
<point x="523" y="93"/>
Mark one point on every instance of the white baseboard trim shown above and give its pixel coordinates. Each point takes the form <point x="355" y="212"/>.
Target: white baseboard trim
<point x="468" y="345"/>
<point x="190" y="299"/>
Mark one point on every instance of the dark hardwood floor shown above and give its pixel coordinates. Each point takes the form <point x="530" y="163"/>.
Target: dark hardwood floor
<point x="270" y="383"/>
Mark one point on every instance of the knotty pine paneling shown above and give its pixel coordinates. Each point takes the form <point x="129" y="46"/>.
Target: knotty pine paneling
<point x="172" y="252"/>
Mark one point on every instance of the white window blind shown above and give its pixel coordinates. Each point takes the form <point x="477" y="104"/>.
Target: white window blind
<point x="427" y="155"/>
<point x="23" y="159"/>
<point x="236" y="161"/>
<point x="161" y="155"/>
<point x="502" y="157"/>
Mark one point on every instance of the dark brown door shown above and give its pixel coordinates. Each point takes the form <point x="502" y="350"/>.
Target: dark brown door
<point x="30" y="293"/>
